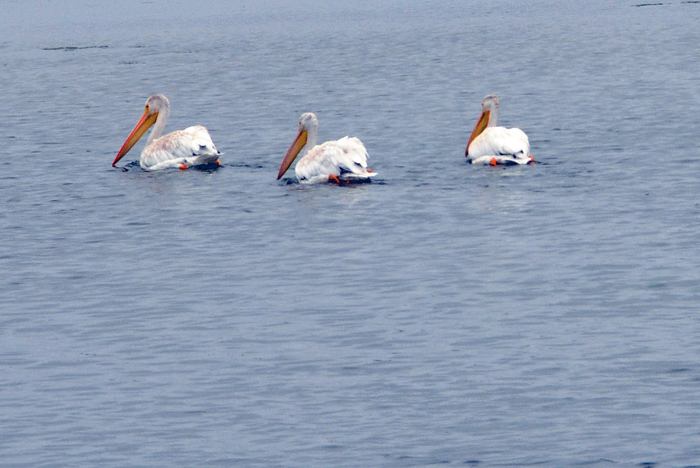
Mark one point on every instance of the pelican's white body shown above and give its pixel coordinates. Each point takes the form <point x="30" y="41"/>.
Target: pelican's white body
<point x="192" y="147"/>
<point x="345" y="158"/>
<point x="505" y="145"/>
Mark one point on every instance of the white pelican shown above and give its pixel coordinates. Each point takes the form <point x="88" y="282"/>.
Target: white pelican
<point x="345" y="159"/>
<point x="181" y="148"/>
<point x="494" y="145"/>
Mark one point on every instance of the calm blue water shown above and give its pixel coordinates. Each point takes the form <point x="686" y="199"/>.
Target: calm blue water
<point x="446" y="314"/>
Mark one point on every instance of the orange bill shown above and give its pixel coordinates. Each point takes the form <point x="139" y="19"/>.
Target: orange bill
<point x="293" y="151"/>
<point x="141" y="127"/>
<point x="482" y="123"/>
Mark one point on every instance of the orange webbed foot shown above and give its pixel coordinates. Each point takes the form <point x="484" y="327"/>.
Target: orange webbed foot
<point x="183" y="166"/>
<point x="334" y="178"/>
<point x="493" y="162"/>
<point x="218" y="163"/>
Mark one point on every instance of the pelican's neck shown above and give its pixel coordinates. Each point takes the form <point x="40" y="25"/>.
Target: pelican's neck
<point x="493" y="117"/>
<point x="311" y="138"/>
<point x="159" y="126"/>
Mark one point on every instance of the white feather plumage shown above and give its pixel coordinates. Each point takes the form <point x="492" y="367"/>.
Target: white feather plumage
<point x="505" y="145"/>
<point x="346" y="158"/>
<point x="192" y="146"/>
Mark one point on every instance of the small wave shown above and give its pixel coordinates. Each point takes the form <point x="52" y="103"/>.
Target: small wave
<point x="71" y="48"/>
<point x="135" y="165"/>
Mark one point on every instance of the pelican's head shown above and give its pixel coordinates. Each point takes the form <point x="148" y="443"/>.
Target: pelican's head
<point x="155" y="105"/>
<point x="490" y="103"/>
<point x="308" y="123"/>
<point x="488" y="117"/>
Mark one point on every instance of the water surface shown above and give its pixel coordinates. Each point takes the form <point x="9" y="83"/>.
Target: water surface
<point x="444" y="314"/>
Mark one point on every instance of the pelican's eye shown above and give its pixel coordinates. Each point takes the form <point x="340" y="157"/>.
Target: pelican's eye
<point x="147" y="108"/>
